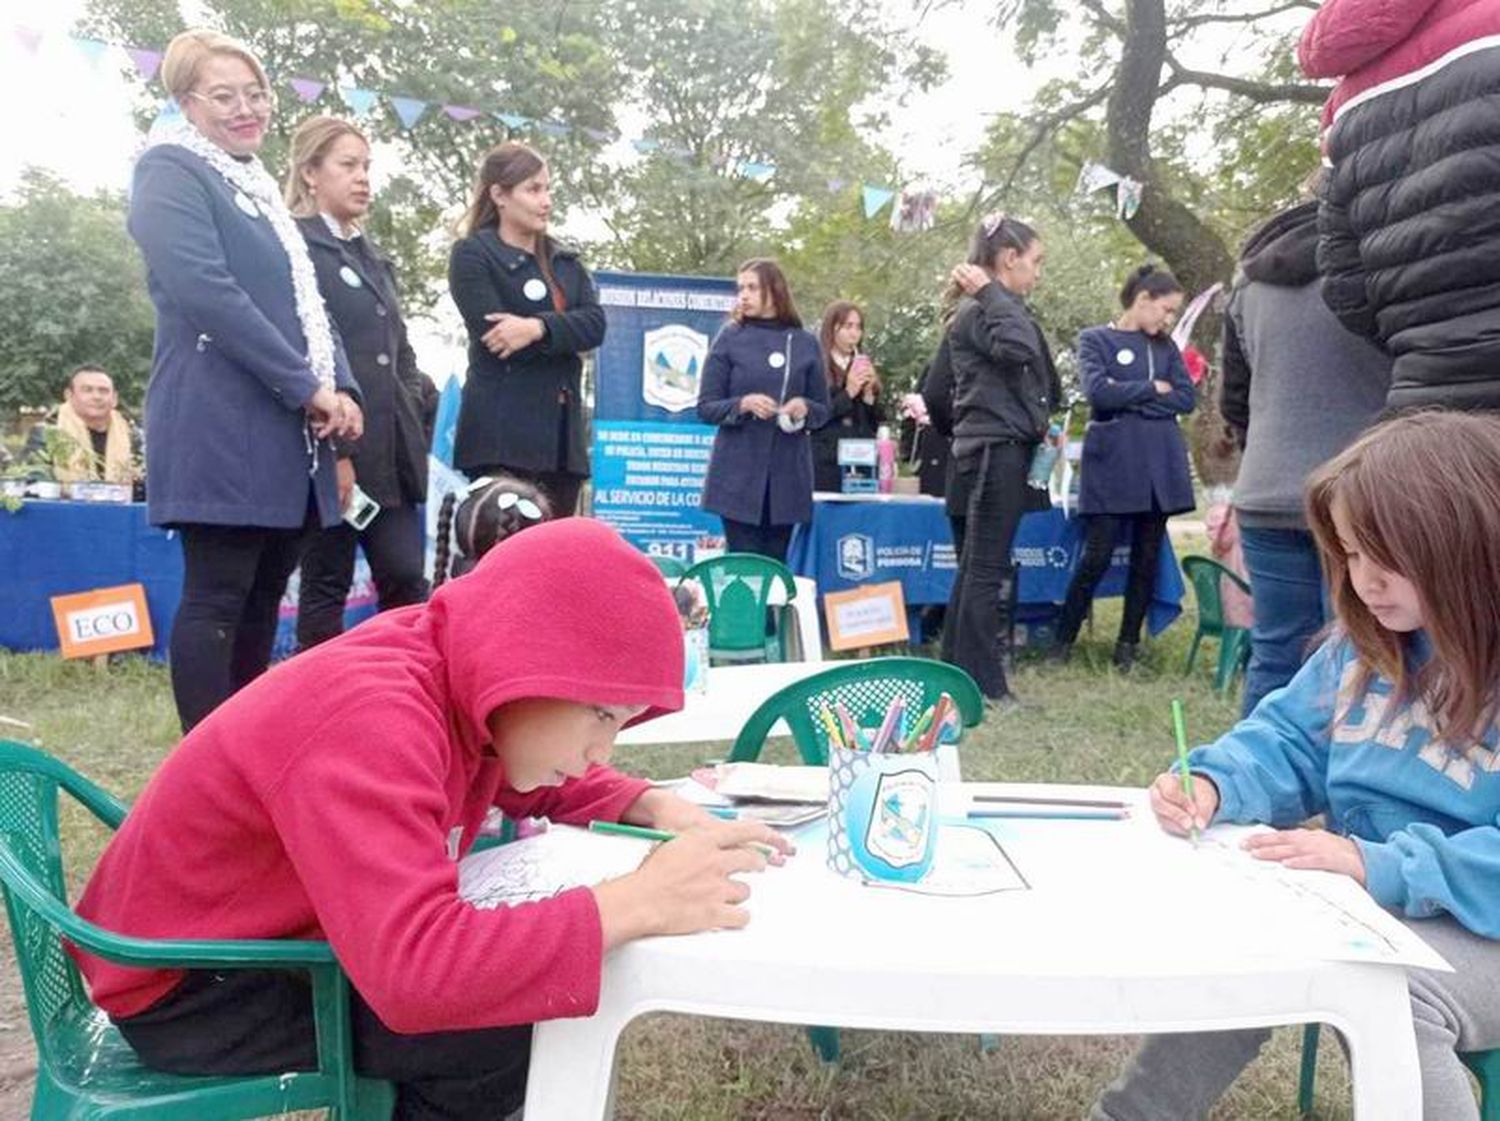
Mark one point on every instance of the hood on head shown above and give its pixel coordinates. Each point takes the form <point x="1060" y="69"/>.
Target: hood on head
<point x="567" y="609"/>
<point x="1284" y="251"/>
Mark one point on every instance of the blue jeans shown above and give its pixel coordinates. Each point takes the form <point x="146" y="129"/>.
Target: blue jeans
<point x="1291" y="606"/>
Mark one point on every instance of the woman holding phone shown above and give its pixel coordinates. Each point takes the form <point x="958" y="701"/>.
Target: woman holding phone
<point x="855" y="411"/>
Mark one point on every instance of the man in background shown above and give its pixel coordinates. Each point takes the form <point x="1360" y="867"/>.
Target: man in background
<point x="99" y="441"/>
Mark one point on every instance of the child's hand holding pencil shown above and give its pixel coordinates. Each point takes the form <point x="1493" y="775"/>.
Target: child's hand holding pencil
<point x="1174" y="811"/>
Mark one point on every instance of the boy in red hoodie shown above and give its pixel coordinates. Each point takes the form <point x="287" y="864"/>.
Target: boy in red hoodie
<point x="332" y="798"/>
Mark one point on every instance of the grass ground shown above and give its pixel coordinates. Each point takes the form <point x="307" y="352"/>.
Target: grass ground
<point x="1082" y="723"/>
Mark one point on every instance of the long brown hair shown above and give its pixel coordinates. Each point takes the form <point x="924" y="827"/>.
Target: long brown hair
<point x="773" y="285"/>
<point x="1422" y="493"/>
<point x="507" y="166"/>
<point x="310" y="144"/>
<point x="834" y="317"/>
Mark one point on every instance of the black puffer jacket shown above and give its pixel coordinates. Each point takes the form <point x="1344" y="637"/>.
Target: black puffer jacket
<point x="1410" y="230"/>
<point x="1004" y="384"/>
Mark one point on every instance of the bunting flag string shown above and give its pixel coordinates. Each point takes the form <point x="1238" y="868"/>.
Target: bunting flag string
<point x="410" y="111"/>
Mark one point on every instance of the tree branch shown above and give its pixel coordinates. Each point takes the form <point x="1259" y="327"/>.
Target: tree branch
<point x="1187" y="23"/>
<point x="1106" y="18"/>
<point x="1259" y="92"/>
<point x="1049" y="124"/>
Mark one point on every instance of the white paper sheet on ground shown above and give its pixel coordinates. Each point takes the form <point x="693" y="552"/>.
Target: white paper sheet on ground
<point x="545" y="865"/>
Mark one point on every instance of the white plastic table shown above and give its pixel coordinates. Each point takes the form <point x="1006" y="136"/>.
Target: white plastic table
<point x="718" y="713"/>
<point x="1098" y="945"/>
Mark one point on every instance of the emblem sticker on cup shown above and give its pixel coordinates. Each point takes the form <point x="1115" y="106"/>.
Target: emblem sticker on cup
<point x="350" y="277"/>
<point x="534" y="289"/>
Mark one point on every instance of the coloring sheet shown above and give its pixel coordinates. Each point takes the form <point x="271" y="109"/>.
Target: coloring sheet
<point x="545" y="865"/>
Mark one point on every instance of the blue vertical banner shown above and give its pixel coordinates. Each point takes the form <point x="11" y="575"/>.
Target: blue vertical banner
<point x="650" y="452"/>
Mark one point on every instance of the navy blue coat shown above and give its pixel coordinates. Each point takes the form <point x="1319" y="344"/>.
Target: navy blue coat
<point x="759" y="474"/>
<point x="1134" y="456"/>
<point x="225" y="442"/>
<point x="525" y="411"/>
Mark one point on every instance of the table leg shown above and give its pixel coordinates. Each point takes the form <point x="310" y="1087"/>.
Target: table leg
<point x="1387" y="1081"/>
<point x="571" y="1077"/>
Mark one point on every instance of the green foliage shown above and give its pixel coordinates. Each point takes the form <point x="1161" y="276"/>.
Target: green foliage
<point x="74" y="293"/>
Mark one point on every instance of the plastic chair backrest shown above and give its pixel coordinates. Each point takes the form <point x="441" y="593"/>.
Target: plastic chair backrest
<point x="737" y="591"/>
<point x="1205" y="575"/>
<point x="865" y="688"/>
<point x="670" y="567"/>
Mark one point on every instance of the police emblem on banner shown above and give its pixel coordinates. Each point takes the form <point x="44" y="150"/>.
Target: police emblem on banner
<point x="856" y="556"/>
<point x="673" y="357"/>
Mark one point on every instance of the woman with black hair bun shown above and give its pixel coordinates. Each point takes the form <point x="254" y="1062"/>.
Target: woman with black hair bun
<point x="1135" y="464"/>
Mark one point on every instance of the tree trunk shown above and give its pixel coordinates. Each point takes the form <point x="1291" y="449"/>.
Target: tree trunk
<point x="1193" y="251"/>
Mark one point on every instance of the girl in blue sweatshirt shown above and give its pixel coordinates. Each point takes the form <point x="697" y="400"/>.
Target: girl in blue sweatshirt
<point x="1391" y="731"/>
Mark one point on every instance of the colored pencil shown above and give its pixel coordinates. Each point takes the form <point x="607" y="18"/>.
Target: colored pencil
<point x="1050" y="815"/>
<point x="646" y="834"/>
<point x="1179" y="730"/>
<point x="1089" y="803"/>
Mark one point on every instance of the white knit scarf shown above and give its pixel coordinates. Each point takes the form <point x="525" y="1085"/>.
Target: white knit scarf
<point x="250" y="178"/>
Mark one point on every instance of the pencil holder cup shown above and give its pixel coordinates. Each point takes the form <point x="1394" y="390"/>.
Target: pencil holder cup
<point x="882" y="814"/>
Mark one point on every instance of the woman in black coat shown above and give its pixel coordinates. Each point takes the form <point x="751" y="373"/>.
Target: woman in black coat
<point x="531" y="309"/>
<point x="1135" y="462"/>
<point x="855" y="411"/>
<point x="1005" y="390"/>
<point x="763" y="386"/>
<point x="328" y="188"/>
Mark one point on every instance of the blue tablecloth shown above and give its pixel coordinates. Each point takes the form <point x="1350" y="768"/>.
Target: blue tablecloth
<point x="54" y="548"/>
<point x="907" y="538"/>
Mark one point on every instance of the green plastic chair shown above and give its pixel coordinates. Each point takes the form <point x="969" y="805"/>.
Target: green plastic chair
<point x="670" y="567"/>
<point x="737" y="591"/>
<point x="866" y="689"/>
<point x="1234" y="642"/>
<point x="85" y="1069"/>
<point x="1484" y="1064"/>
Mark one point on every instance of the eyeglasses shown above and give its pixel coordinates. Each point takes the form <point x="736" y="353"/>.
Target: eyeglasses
<point x="257" y="99"/>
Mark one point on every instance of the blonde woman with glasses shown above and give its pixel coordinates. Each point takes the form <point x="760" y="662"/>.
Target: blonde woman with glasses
<point x="328" y="190"/>
<point x="249" y="386"/>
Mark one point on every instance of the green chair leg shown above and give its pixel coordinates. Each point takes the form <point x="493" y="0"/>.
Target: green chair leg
<point x="988" y="1043"/>
<point x="1486" y="1068"/>
<point x="1192" y="653"/>
<point x="1309" y="1070"/>
<point x="825" y="1041"/>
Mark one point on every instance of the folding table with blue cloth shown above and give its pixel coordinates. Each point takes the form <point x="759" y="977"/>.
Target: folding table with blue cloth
<point x="873" y="539"/>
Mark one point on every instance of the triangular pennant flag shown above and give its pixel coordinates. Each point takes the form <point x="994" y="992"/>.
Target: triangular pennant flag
<point x="1127" y="197"/>
<point x="93" y="49"/>
<point x="645" y="145"/>
<point x="358" y="100"/>
<point x="876" y="199"/>
<point x="146" y="61"/>
<point x="757" y="171"/>
<point x="307" y="89"/>
<point x="836" y="185"/>
<point x="513" y="120"/>
<point x="29" y="38"/>
<point x="552" y="128"/>
<point x="460" y="112"/>
<point x="1095" y="177"/>
<point x="169" y="114"/>
<point x="409" y="109"/>
<point x="602" y="136"/>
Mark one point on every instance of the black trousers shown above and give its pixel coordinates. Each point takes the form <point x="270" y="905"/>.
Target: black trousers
<point x="560" y="487"/>
<point x="764" y="540"/>
<point x="393" y="546"/>
<point x="232" y="584"/>
<point x="1101" y="531"/>
<point x="260" y="1022"/>
<point x="978" y="617"/>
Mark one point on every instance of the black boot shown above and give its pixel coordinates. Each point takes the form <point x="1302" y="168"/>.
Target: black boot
<point x="1125" y="655"/>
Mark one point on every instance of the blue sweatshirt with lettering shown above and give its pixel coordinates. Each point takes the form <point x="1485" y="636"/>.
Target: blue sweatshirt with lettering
<point x="1424" y="812"/>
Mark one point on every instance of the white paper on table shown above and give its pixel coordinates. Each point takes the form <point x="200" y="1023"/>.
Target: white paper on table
<point x="545" y="865"/>
<point x="968" y="860"/>
<point x="773" y="783"/>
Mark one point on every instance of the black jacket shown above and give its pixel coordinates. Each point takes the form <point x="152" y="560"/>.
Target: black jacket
<point x="1409" y="245"/>
<point x="848" y="419"/>
<point x="524" y="411"/>
<point x="1005" y="386"/>
<point x="359" y="290"/>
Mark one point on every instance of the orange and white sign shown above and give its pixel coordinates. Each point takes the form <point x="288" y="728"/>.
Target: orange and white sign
<point x="869" y="615"/>
<point x="102" y="621"/>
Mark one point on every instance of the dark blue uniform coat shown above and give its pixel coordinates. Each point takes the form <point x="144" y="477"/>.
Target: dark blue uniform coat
<point x="1134" y="457"/>
<point x="759" y="474"/>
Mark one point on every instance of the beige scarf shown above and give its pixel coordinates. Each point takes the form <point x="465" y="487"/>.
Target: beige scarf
<point x="82" y="465"/>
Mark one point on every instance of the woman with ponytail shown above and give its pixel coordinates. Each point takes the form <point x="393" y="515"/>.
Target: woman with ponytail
<point x="532" y="310"/>
<point x="1005" y="389"/>
<point x="1135" y="465"/>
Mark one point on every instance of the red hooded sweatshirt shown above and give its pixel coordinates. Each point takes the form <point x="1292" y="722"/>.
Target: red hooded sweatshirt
<point x="332" y="796"/>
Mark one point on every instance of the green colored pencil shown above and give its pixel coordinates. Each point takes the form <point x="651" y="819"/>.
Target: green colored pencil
<point x="647" y="834"/>
<point x="1179" y="729"/>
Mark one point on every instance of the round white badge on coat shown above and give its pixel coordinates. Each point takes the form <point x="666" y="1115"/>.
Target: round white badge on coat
<point x="534" y="289"/>
<point x="1125" y="357"/>
<point x="350" y="277"/>
<point x="776" y="360"/>
<point x="247" y="204"/>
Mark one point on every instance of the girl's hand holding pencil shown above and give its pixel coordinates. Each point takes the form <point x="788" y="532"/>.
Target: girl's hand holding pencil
<point x="1175" y="812"/>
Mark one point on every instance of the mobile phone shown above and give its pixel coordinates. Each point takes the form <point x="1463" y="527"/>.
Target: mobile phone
<point x="361" y="510"/>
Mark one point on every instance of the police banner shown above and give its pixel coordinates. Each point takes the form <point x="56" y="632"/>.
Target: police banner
<point x="649" y="450"/>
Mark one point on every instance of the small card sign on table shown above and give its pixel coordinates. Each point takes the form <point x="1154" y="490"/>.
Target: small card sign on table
<point x="870" y="615"/>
